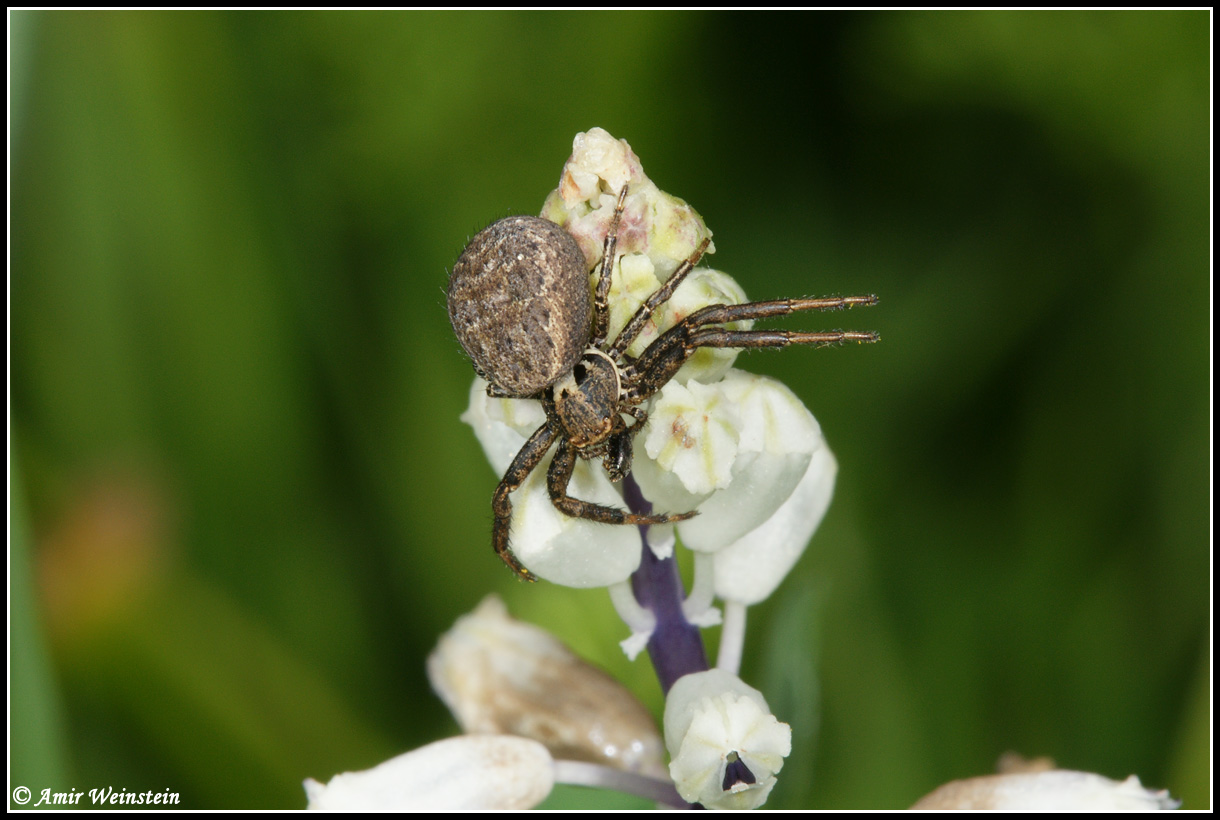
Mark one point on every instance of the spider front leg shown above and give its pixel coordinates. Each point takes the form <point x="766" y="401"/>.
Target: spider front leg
<point x="662" y="359"/>
<point x="560" y="474"/>
<point x="528" y="457"/>
<point x="642" y="314"/>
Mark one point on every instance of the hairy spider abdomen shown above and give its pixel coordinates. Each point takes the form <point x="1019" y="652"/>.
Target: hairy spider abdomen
<point x="520" y="305"/>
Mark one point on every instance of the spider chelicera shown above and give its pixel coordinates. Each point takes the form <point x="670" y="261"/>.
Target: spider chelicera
<point x="519" y="303"/>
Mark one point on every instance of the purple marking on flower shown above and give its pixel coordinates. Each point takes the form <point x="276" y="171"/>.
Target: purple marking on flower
<point x="736" y="772"/>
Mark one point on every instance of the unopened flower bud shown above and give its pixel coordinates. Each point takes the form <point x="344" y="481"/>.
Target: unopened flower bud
<point x="499" y="675"/>
<point x="472" y="773"/>
<point x="1056" y="790"/>
<point x="725" y="745"/>
<point x="653" y="222"/>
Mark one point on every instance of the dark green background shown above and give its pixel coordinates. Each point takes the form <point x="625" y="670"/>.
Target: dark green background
<point x="243" y="506"/>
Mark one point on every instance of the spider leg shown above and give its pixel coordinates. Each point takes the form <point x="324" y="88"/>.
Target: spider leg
<point x="659" y="296"/>
<point x="719" y="314"/>
<point x="601" y="298"/>
<point x="719" y="337"/>
<point x="661" y="360"/>
<point x="560" y="474"/>
<point x="722" y="337"/>
<point x="527" y="458"/>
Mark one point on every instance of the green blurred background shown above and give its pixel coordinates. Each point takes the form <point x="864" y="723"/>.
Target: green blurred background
<point x="243" y="506"/>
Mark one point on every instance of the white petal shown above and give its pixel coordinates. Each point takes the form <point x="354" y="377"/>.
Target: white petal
<point x="664" y="489"/>
<point x="1056" y="790"/>
<point x="469" y="773"/>
<point x="749" y="569"/>
<point x="777" y="421"/>
<point x="761" y="483"/>
<point x="501" y="425"/>
<point x="635" y="643"/>
<point x="574" y="552"/>
<point x="692" y="433"/>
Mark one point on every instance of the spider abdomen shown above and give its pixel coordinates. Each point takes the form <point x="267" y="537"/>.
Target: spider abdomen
<point x="519" y="303"/>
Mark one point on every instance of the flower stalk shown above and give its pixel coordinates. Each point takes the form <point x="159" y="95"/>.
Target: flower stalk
<point x="675" y="646"/>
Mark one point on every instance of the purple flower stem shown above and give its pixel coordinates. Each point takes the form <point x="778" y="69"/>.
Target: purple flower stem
<point x="676" y="647"/>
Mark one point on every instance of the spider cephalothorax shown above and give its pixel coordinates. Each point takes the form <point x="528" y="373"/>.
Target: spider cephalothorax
<point x="520" y="305"/>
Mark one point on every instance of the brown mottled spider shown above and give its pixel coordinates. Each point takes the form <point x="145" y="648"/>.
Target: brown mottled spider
<point x="519" y="303"/>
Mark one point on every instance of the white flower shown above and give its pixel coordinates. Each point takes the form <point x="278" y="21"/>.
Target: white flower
<point x="746" y="437"/>
<point x="470" y="773"/>
<point x="724" y="743"/>
<point x="1055" y="790"/>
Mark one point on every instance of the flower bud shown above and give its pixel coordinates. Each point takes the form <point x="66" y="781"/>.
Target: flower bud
<point x="1056" y="791"/>
<point x="654" y="223"/>
<point x="499" y="675"/>
<point x="725" y="745"/>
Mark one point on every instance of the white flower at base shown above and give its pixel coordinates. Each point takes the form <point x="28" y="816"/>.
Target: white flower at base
<point x="725" y="745"/>
<point x="573" y="552"/>
<point x="471" y="773"/>
<point x="1056" y="790"/>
